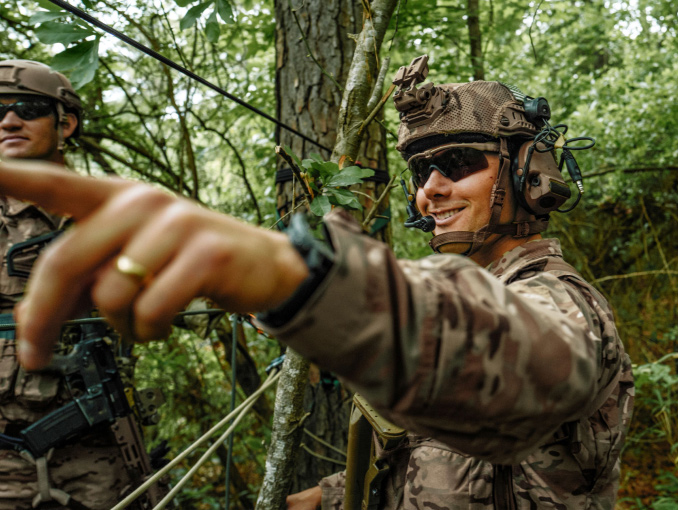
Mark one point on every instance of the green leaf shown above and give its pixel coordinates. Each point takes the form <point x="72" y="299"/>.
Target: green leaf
<point x="83" y="58"/>
<point x="350" y="175"/>
<point x="225" y="10"/>
<point x="327" y="170"/>
<point x="65" y="33"/>
<point x="312" y="168"/>
<point x="42" y="16"/>
<point x="183" y="3"/>
<point x="46" y="4"/>
<point x="193" y="14"/>
<point x="343" y="197"/>
<point x="291" y="153"/>
<point x="321" y="205"/>
<point x="212" y="29"/>
<point x="88" y="4"/>
<point x="82" y="54"/>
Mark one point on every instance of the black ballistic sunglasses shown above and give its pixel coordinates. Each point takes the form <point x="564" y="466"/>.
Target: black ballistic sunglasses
<point x="454" y="161"/>
<point x="28" y="108"/>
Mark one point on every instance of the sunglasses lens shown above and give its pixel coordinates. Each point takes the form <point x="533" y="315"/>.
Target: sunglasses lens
<point x="454" y="163"/>
<point x="28" y="109"/>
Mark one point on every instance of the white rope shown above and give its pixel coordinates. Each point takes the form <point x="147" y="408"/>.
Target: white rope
<point x="241" y="410"/>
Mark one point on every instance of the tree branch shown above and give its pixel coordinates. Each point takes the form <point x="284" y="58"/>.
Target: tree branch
<point x="373" y="210"/>
<point x="297" y="172"/>
<point x="223" y="136"/>
<point x="358" y="88"/>
<point x="137" y="112"/>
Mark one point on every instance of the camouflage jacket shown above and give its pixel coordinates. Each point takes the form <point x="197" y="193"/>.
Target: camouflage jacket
<point x="514" y="372"/>
<point x="20" y="221"/>
<point x="24" y="397"/>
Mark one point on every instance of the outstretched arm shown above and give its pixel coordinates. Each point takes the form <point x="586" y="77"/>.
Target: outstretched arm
<point x="187" y="251"/>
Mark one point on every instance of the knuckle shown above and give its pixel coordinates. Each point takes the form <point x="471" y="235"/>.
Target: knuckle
<point x="179" y="216"/>
<point x="142" y="198"/>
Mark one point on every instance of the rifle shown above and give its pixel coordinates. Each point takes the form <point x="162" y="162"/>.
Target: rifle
<point x="364" y="471"/>
<point x="100" y="398"/>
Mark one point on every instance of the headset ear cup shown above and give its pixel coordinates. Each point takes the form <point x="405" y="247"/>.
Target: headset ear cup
<point x="543" y="190"/>
<point x="517" y="170"/>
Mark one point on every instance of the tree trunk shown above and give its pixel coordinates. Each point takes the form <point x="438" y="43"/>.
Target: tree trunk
<point x="308" y="100"/>
<point x="475" y="39"/>
<point x="288" y="418"/>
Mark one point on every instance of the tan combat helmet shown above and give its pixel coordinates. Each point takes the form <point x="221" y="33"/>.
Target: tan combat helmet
<point x="27" y="77"/>
<point x="488" y="116"/>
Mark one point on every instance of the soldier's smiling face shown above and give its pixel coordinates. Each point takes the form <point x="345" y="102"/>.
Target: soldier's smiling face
<point x="30" y="138"/>
<point x="462" y="206"/>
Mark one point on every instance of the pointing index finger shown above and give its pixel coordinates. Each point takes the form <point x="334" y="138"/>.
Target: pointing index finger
<point x="56" y="189"/>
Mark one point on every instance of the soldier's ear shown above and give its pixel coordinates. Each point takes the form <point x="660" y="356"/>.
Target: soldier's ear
<point x="70" y="125"/>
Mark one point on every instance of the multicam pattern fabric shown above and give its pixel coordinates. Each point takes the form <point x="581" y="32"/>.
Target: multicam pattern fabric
<point x="478" y="107"/>
<point x="92" y="471"/>
<point x="514" y="369"/>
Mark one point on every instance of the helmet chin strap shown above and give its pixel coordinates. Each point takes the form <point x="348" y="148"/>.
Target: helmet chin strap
<point x="62" y="119"/>
<point x="516" y="228"/>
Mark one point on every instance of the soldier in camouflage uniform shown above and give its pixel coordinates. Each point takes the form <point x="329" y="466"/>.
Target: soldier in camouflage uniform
<point x="505" y="365"/>
<point x="40" y="110"/>
<point x="500" y="360"/>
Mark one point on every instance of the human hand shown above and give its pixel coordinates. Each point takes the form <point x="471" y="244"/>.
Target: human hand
<point x="309" y="499"/>
<point x="185" y="249"/>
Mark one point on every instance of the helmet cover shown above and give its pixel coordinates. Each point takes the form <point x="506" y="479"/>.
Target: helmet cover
<point x="478" y="107"/>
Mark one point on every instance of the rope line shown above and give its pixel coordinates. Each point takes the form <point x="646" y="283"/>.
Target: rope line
<point x="324" y="443"/>
<point x="206" y="456"/>
<point x="249" y="401"/>
<point x="148" y="51"/>
<point x="321" y="457"/>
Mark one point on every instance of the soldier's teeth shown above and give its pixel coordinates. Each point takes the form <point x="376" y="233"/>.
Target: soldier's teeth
<point x="447" y="214"/>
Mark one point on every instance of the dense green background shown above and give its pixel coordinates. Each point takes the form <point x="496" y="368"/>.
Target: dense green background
<point x="608" y="69"/>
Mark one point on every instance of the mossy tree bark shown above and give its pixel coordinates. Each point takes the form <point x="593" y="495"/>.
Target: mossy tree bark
<point x="310" y="101"/>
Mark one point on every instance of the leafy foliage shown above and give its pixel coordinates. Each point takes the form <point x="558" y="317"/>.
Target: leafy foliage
<point x="607" y="68"/>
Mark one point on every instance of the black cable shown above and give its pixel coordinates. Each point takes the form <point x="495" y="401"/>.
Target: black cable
<point x="148" y="51"/>
<point x="549" y="137"/>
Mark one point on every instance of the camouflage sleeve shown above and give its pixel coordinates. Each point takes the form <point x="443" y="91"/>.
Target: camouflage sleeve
<point x="333" y="491"/>
<point x="445" y="349"/>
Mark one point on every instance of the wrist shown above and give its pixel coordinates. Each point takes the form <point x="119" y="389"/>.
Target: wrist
<point x="312" y="261"/>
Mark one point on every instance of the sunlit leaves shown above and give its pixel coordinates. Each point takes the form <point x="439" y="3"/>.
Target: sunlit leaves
<point x="223" y="8"/>
<point x="42" y="16"/>
<point x="212" y="29"/>
<point x="193" y="14"/>
<point x="46" y="4"/>
<point x="52" y="32"/>
<point x="82" y="59"/>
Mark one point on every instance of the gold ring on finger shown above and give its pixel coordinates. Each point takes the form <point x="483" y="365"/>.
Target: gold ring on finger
<point x="130" y="267"/>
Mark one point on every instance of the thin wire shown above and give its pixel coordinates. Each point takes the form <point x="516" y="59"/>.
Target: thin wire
<point x="160" y="473"/>
<point x="148" y="51"/>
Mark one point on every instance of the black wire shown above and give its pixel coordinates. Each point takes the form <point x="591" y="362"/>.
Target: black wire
<point x="148" y="51"/>
<point x="549" y="135"/>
